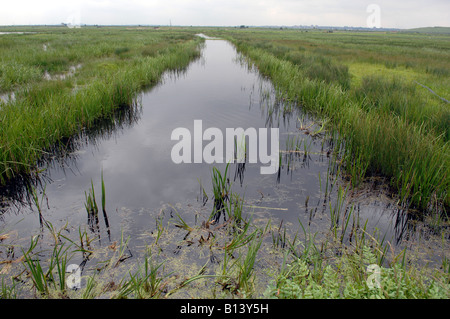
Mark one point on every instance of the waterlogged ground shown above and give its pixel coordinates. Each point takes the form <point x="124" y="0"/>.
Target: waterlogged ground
<point x="145" y="189"/>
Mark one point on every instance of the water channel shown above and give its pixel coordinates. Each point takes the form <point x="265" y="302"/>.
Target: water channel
<point x="141" y="179"/>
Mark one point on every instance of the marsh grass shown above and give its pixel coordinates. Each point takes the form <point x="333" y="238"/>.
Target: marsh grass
<point x="145" y="283"/>
<point x="221" y="190"/>
<point x="396" y="96"/>
<point x="245" y="277"/>
<point x="54" y="278"/>
<point x="45" y="112"/>
<point x="322" y="68"/>
<point x="314" y="66"/>
<point x="376" y="142"/>
<point x="389" y="124"/>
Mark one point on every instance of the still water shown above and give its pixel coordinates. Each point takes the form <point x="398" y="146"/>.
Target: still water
<point x="134" y="155"/>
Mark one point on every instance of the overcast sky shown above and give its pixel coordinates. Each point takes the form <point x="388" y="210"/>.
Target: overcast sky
<point x="392" y="13"/>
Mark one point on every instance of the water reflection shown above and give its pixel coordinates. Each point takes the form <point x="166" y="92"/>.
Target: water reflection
<point x="64" y="157"/>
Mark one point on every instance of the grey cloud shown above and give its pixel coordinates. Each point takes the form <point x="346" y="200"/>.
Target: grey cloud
<point x="401" y="14"/>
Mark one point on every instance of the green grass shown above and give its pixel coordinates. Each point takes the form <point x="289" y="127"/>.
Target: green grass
<point x="390" y="125"/>
<point x="441" y="30"/>
<point x="114" y="65"/>
<point x="145" y="283"/>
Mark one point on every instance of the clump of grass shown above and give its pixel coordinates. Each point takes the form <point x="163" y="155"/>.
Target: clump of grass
<point x="155" y="49"/>
<point x="325" y="70"/>
<point x="145" y="283"/>
<point x="53" y="63"/>
<point x="394" y="96"/>
<point x="221" y="190"/>
<point x="246" y="267"/>
<point x="91" y="207"/>
<point x="45" y="282"/>
<point x="181" y="223"/>
<point x="121" y="51"/>
<point x="8" y="291"/>
<point x="38" y="276"/>
<point x="315" y="67"/>
<point x="438" y="71"/>
<point x="14" y="74"/>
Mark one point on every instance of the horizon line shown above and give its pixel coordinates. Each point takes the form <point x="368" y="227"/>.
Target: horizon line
<point x="316" y="26"/>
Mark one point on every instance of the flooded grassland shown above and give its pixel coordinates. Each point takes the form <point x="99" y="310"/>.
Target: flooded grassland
<point x="113" y="202"/>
